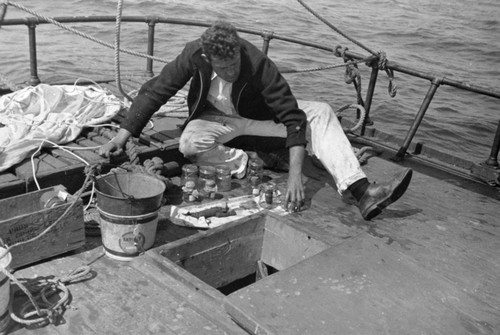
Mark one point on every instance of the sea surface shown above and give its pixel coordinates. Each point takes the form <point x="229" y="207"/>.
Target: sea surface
<point x="458" y="39"/>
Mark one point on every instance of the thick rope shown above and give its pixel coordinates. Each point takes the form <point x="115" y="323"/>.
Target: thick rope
<point x="117" y="49"/>
<point x="47" y="314"/>
<point x="360" y="118"/>
<point x="327" y="67"/>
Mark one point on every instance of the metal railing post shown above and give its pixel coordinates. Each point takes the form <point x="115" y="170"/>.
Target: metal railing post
<point x="266" y="36"/>
<point x="369" y="98"/>
<point x="151" y="45"/>
<point x="418" y="119"/>
<point x="495" y="148"/>
<point x="34" y="79"/>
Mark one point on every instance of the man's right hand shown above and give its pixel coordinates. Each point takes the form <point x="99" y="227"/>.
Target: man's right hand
<point x="110" y="149"/>
<point x="115" y="146"/>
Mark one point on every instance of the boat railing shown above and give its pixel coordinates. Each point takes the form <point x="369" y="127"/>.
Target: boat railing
<point x="372" y="61"/>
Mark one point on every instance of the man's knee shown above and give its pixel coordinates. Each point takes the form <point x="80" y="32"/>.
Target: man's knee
<point x="185" y="146"/>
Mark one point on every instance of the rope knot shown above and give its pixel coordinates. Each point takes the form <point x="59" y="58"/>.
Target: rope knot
<point x="382" y="65"/>
<point x="92" y="170"/>
<point x="382" y="60"/>
<point x="340" y="51"/>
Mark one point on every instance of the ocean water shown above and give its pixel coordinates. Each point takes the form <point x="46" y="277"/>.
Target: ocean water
<point x="453" y="38"/>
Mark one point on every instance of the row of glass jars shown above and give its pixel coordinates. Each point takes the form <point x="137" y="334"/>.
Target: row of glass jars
<point x="218" y="178"/>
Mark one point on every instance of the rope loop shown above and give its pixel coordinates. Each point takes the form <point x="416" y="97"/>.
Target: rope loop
<point x="361" y="118"/>
<point x="39" y="310"/>
<point x="352" y="74"/>
<point x="392" y="89"/>
<point x="340" y="51"/>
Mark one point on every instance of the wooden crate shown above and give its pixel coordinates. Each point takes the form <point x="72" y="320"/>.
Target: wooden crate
<point x="23" y="217"/>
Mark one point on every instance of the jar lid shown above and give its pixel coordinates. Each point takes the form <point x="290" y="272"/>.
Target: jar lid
<point x="190" y="167"/>
<point x="256" y="162"/>
<point x="207" y="169"/>
<point x="223" y="169"/>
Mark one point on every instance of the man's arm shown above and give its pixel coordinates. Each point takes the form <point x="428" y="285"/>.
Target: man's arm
<point x="295" y="194"/>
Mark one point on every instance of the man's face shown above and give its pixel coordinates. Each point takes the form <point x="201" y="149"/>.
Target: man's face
<point x="227" y="69"/>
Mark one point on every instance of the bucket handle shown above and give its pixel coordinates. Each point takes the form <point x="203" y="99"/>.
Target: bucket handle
<point x="125" y="195"/>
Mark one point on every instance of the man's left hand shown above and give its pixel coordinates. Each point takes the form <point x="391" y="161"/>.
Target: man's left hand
<point x="295" y="193"/>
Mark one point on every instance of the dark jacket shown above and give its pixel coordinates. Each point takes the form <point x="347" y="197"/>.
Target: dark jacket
<point x="260" y="93"/>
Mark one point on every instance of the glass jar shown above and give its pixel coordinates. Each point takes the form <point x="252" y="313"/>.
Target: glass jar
<point x="256" y="168"/>
<point x="210" y="189"/>
<point x="188" y="191"/>
<point x="269" y="194"/>
<point x="189" y="173"/>
<point x="206" y="172"/>
<point x="223" y="178"/>
<point x="255" y="185"/>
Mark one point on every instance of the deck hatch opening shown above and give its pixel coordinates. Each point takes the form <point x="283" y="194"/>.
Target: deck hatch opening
<point x="238" y="254"/>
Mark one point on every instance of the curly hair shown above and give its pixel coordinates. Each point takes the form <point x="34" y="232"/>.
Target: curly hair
<point x="221" y="40"/>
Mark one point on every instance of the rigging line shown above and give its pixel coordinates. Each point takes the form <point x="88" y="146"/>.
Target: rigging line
<point x="117" y="50"/>
<point x="327" y="67"/>
<point x="336" y="29"/>
<point x="79" y="33"/>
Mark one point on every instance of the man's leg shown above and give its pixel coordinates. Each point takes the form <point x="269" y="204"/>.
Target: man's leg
<point x="333" y="149"/>
<point x="330" y="144"/>
<point x="202" y="140"/>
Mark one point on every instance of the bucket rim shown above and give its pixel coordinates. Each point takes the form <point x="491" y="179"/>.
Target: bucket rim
<point x="160" y="183"/>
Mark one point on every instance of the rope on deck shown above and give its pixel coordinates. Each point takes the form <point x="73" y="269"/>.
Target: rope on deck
<point x="46" y="311"/>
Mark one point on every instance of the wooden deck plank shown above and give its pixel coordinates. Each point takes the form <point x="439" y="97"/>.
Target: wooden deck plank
<point x="446" y="228"/>
<point x="135" y="297"/>
<point x="359" y="287"/>
<point x="450" y="231"/>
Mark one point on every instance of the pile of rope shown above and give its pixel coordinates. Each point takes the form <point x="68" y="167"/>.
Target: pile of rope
<point x="39" y="310"/>
<point x="153" y="167"/>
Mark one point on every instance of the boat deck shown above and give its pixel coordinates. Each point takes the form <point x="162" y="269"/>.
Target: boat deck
<point x="429" y="264"/>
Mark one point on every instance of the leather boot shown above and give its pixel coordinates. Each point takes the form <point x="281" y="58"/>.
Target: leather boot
<point x="379" y="196"/>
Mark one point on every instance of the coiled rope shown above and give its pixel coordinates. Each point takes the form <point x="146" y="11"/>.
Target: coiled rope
<point x="47" y="312"/>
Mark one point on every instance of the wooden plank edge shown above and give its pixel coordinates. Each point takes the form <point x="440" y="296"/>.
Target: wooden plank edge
<point x="245" y="321"/>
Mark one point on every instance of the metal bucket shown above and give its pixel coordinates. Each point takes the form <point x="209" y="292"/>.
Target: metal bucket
<point x="5" y="260"/>
<point x="128" y="205"/>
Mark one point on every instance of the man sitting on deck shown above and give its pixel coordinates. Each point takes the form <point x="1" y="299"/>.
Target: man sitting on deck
<point x="238" y="99"/>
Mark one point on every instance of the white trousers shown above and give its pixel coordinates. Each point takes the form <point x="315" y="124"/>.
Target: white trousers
<point x="202" y="141"/>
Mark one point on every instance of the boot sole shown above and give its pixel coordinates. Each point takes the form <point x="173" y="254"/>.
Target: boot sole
<point x="399" y="190"/>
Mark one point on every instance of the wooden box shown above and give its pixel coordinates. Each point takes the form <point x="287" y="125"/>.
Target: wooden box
<point x="24" y="217"/>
